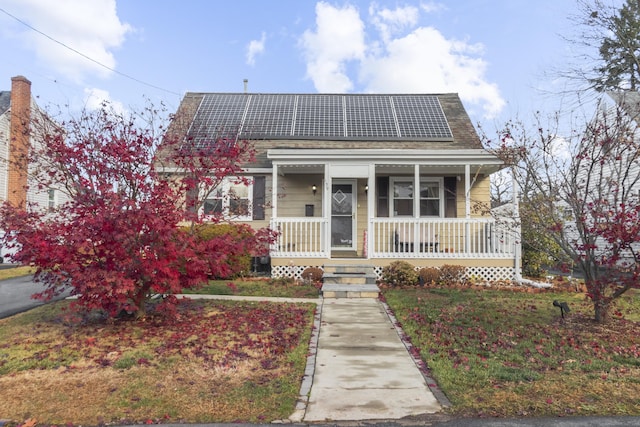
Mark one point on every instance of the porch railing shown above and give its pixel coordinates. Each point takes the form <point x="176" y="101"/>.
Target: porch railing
<point x="300" y="237"/>
<point x="402" y="238"/>
<point x="442" y="238"/>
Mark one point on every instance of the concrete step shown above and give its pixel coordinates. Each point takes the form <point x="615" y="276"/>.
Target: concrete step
<point x="347" y="268"/>
<point x="349" y="278"/>
<point x="350" y="291"/>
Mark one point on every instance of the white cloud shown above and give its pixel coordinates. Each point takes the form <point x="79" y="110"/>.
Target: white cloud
<point x="254" y="48"/>
<point x="390" y="22"/>
<point x="432" y="7"/>
<point x="95" y="99"/>
<point x="91" y="28"/>
<point x="337" y="39"/>
<point x="398" y="56"/>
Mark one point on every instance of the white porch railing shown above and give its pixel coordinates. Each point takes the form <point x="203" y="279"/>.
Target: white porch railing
<point x="300" y="237"/>
<point x="441" y="238"/>
<point x="402" y="238"/>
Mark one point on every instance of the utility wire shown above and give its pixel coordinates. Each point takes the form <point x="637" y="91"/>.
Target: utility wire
<point x="87" y="57"/>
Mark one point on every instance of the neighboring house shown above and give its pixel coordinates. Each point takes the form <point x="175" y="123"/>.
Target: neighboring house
<point x="620" y="118"/>
<point x="359" y="179"/>
<point x="17" y="109"/>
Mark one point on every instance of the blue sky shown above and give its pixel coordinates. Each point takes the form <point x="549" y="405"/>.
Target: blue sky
<point x="496" y="54"/>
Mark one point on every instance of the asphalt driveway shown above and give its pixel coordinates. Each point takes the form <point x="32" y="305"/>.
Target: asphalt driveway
<point x="15" y="295"/>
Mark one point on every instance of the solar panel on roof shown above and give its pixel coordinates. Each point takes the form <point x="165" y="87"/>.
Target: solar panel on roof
<point x="217" y="115"/>
<point x="322" y="116"/>
<point x="421" y="116"/>
<point x="370" y="116"/>
<point x="319" y="116"/>
<point x="269" y="115"/>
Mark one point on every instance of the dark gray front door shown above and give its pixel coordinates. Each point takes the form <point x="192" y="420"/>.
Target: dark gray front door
<point x="343" y="214"/>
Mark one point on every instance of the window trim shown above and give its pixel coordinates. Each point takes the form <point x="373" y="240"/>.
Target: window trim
<point x="226" y="185"/>
<point x="392" y="198"/>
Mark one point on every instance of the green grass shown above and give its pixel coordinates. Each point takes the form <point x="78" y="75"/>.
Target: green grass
<point x="503" y="353"/>
<point x="258" y="287"/>
<point x="9" y="273"/>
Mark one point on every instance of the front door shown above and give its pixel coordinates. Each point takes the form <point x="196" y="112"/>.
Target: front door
<point x="343" y="215"/>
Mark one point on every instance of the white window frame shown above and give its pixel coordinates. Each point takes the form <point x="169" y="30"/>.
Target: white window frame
<point x="226" y="185"/>
<point x="440" y="182"/>
<point x="394" y="179"/>
<point x="392" y="196"/>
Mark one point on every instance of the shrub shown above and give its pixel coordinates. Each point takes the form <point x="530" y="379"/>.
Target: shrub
<point x="238" y="261"/>
<point x="452" y="274"/>
<point x="399" y="273"/>
<point x="429" y="275"/>
<point x="312" y="275"/>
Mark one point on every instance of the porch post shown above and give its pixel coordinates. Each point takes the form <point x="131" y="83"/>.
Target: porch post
<point x="416" y="207"/>
<point x="326" y="207"/>
<point x="371" y="206"/>
<point x="467" y="206"/>
<point x="274" y="191"/>
<point x="467" y="191"/>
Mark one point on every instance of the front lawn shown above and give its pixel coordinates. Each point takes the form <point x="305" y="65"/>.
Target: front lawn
<point x="284" y="288"/>
<point x="509" y="354"/>
<point x="217" y="362"/>
<point x="11" y="272"/>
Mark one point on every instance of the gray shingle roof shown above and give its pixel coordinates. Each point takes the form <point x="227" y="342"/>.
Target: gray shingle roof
<point x="380" y="121"/>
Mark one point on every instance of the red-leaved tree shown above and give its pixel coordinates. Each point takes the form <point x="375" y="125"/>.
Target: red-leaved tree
<point x="584" y="192"/>
<point x="119" y="236"/>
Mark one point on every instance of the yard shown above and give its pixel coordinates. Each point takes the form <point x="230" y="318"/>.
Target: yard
<point x="510" y="354"/>
<point x="493" y="353"/>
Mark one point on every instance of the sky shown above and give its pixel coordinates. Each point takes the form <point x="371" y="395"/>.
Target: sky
<point x="496" y="54"/>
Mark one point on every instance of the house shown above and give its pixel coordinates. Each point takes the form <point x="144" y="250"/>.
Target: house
<point x="17" y="110"/>
<point x="608" y="175"/>
<point x="363" y="179"/>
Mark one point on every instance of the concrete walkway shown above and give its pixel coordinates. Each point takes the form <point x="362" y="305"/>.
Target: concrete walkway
<point x="363" y="371"/>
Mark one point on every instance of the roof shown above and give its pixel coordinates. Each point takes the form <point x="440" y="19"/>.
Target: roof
<point x="329" y="117"/>
<point x="628" y="100"/>
<point x="5" y="101"/>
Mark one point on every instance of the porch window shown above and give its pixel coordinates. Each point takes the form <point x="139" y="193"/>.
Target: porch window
<point x="431" y="197"/>
<point x="231" y="199"/>
<point x="402" y="201"/>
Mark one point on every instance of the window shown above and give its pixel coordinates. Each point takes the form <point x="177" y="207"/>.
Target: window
<point x="431" y="197"/>
<point x="402" y="200"/>
<point x="52" y="199"/>
<point x="232" y="199"/>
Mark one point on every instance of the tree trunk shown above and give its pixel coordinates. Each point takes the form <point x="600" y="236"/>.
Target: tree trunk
<point x="601" y="310"/>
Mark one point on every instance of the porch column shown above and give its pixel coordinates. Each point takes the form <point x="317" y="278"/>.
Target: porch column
<point x="371" y="206"/>
<point x="416" y="191"/>
<point x="467" y="191"/>
<point x="274" y="190"/>
<point x="467" y="206"/>
<point x="326" y="208"/>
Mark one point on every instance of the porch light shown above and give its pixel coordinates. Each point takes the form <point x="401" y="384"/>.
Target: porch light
<point x="366" y="189"/>
<point x="314" y="188"/>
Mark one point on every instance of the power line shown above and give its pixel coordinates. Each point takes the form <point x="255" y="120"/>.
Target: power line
<point x="87" y="57"/>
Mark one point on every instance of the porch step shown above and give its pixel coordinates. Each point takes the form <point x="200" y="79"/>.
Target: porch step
<point x="349" y="281"/>
<point x="350" y="291"/>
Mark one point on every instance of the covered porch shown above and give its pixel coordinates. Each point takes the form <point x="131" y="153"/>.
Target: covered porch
<point x="379" y="205"/>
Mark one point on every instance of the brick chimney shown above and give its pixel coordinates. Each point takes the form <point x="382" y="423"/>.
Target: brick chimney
<point x="19" y="142"/>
